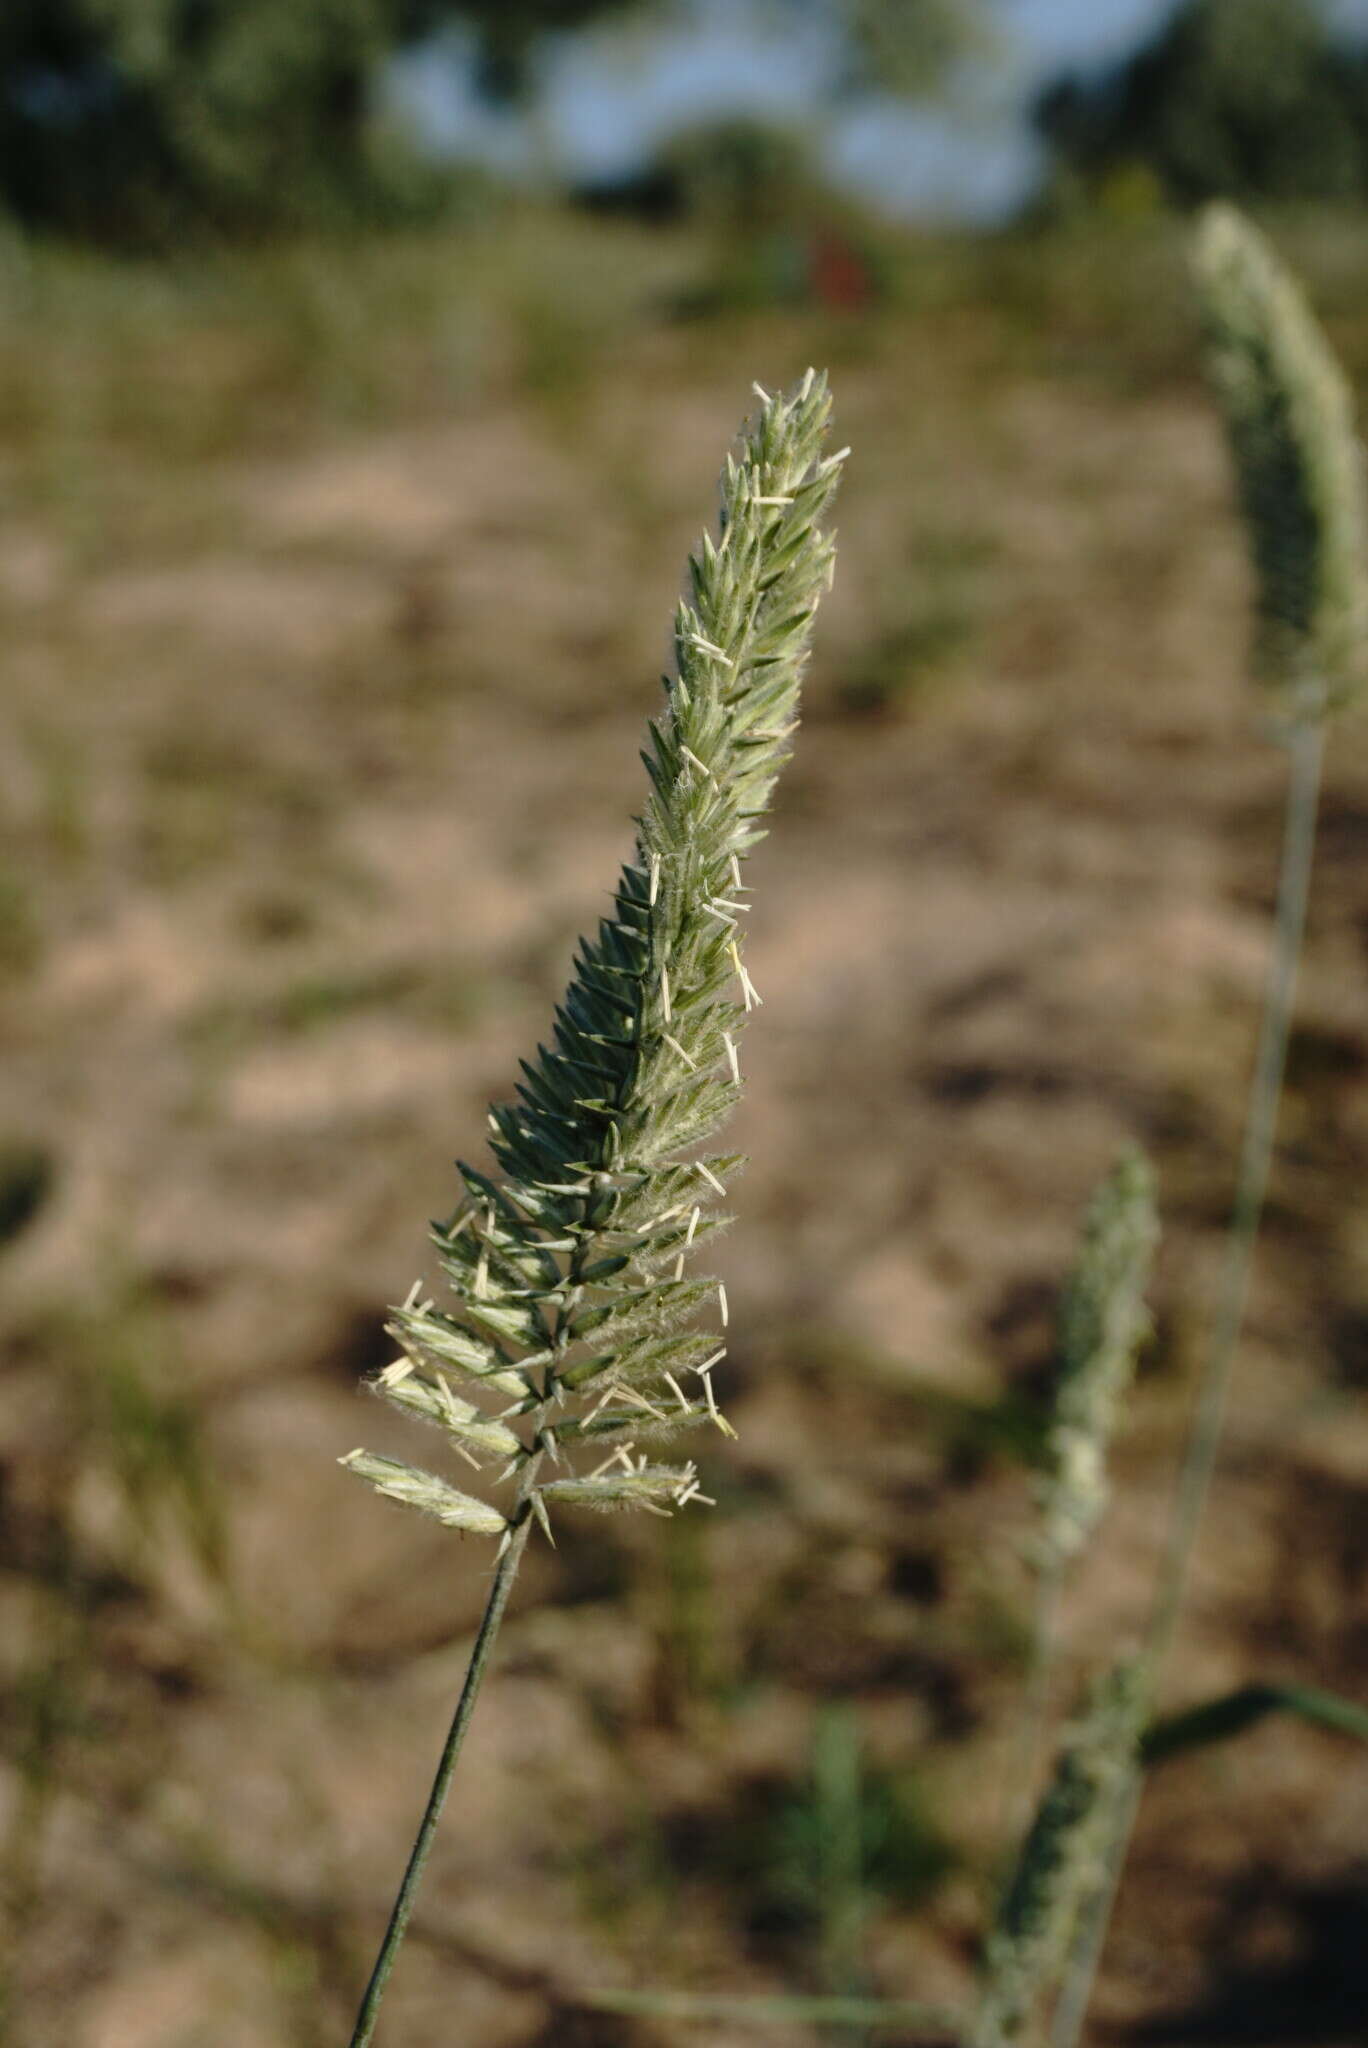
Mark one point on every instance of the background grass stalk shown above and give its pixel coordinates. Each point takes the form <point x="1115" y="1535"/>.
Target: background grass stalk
<point x="1081" y="1975"/>
<point x="505" y="1572"/>
<point x="1102" y="1323"/>
<point x="1306" y="746"/>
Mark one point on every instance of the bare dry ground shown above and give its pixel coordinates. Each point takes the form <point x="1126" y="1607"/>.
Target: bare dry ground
<point x="320" y="710"/>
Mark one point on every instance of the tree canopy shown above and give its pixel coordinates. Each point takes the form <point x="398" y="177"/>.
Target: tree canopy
<point x="1254" y="99"/>
<point x="135" y="119"/>
<point x="132" y="118"/>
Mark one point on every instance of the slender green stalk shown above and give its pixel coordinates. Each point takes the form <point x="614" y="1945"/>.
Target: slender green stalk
<point x="1307" y="748"/>
<point x="505" y="1572"/>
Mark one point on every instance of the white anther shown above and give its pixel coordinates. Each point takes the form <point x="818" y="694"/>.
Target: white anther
<point x="732" y="1060"/>
<point x="709" y="1177"/>
<point x="678" y="1392"/>
<point x="393" y="1374"/>
<point x="621" y="1456"/>
<point x="693" y="1225"/>
<point x="705" y="647"/>
<point x="736" y="870"/>
<point x="722" y="1303"/>
<point x="634" y="1399"/>
<point x="690" y="755"/>
<point x="690" y="1062"/>
<point x="750" y="995"/>
<point x="761" y="394"/>
<point x="654" y="889"/>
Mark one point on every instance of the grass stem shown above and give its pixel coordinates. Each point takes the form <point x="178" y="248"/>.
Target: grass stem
<point x="1306" y="747"/>
<point x="506" y="1571"/>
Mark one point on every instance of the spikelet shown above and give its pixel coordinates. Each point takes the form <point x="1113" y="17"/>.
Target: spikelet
<point x="568" y="1269"/>
<point x="1063" y="1858"/>
<point x="1103" y="1322"/>
<point x="1299" y="467"/>
<point x="423" y="1490"/>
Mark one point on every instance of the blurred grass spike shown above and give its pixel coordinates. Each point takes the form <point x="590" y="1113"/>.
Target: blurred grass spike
<point x="567" y="1272"/>
<point x="1063" y="1858"/>
<point x="1299" y="467"/>
<point x="1103" y="1323"/>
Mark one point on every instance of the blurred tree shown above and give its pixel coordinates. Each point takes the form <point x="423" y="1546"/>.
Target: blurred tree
<point x="909" y="47"/>
<point x="1251" y="98"/>
<point x="134" y="118"/>
<point x="125" y="117"/>
<point x="128" y="119"/>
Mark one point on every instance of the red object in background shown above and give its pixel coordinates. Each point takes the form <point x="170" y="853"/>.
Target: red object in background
<point x="838" y="276"/>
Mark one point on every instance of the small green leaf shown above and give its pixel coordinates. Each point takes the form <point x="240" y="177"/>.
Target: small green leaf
<point x="1231" y="1714"/>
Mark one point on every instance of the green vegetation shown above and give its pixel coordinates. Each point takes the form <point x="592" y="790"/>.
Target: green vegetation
<point x="1251" y="99"/>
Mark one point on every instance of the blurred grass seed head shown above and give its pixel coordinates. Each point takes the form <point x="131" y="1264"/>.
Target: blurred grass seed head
<point x="1299" y="467"/>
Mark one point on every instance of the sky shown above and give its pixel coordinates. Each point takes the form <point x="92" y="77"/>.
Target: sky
<point x="609" y="94"/>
